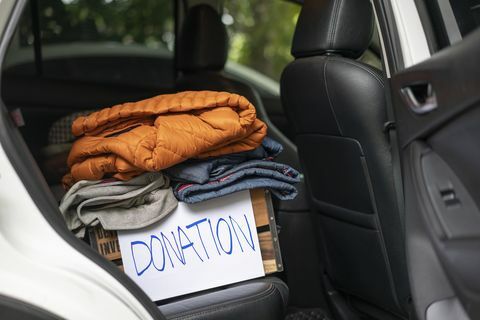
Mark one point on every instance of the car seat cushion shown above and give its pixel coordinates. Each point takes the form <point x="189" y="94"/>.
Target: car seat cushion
<point x="257" y="299"/>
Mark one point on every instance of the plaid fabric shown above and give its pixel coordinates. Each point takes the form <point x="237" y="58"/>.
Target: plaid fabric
<point x="61" y="130"/>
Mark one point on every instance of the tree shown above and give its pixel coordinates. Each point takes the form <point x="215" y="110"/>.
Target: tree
<point x="261" y="33"/>
<point x="260" y="30"/>
<point x="143" y="22"/>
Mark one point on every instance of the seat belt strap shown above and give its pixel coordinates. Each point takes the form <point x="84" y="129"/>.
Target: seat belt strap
<point x="391" y="130"/>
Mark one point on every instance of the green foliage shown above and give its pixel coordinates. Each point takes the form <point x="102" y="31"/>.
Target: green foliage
<point x="260" y="30"/>
<point x="261" y="33"/>
<point x="142" y="22"/>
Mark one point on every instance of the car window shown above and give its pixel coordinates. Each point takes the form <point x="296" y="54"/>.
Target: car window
<point x="452" y="20"/>
<point x="467" y="14"/>
<point x="104" y="40"/>
<point x="261" y="34"/>
<point x="142" y="22"/>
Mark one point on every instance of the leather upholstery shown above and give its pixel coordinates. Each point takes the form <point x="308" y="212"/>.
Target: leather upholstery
<point x="200" y="73"/>
<point x="203" y="41"/>
<point x="263" y="299"/>
<point x="337" y="106"/>
<point x="341" y="27"/>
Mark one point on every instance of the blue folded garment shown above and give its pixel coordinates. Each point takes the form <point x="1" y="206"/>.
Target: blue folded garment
<point x="203" y="180"/>
<point x="200" y="171"/>
<point x="200" y="180"/>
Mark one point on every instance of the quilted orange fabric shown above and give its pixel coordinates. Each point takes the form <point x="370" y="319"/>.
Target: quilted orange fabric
<point x="153" y="134"/>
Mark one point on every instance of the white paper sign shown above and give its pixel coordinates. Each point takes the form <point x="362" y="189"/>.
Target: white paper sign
<point x="197" y="247"/>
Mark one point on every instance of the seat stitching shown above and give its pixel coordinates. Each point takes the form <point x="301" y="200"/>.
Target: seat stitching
<point x="380" y="80"/>
<point x="266" y="295"/>
<point x="328" y="96"/>
<point x="270" y="290"/>
<point x="238" y="302"/>
<point x="385" y="256"/>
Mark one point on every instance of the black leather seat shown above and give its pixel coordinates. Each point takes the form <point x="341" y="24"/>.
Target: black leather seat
<point x="201" y="56"/>
<point x="337" y="106"/>
<point x="262" y="299"/>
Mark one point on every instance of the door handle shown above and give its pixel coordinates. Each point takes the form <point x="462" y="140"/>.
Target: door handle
<point x="420" y="98"/>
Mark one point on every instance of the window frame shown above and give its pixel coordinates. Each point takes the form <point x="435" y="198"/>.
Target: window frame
<point x="440" y="16"/>
<point x="27" y="170"/>
<point x="80" y="48"/>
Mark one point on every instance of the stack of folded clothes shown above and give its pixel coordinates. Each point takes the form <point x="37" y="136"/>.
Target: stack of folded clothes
<point x="116" y="204"/>
<point x="208" y="143"/>
<point x="199" y="180"/>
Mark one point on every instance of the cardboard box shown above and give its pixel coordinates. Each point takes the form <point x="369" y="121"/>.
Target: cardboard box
<point x="107" y="244"/>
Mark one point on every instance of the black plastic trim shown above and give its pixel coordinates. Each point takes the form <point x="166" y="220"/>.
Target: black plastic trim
<point x="428" y="281"/>
<point x="454" y="75"/>
<point x="458" y="257"/>
<point x="389" y="35"/>
<point x="37" y="38"/>
<point x="29" y="173"/>
<point x="443" y="22"/>
<point x="11" y="308"/>
<point x="425" y="19"/>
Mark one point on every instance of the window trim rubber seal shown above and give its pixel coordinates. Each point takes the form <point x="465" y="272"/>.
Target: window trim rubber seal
<point x="389" y="34"/>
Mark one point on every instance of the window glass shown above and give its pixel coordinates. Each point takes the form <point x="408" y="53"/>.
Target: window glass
<point x="119" y="41"/>
<point x="467" y="14"/>
<point x="261" y="33"/>
<point x="144" y="22"/>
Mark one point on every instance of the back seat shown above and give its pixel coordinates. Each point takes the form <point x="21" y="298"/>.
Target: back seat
<point x="257" y="299"/>
<point x="43" y="101"/>
<point x="264" y="298"/>
<point x="201" y="56"/>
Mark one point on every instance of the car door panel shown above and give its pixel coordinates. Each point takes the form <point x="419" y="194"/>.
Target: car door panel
<point x="453" y="78"/>
<point x="446" y="309"/>
<point x="441" y="160"/>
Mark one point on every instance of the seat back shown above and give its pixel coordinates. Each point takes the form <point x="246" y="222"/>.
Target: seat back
<point x="337" y="106"/>
<point x="201" y="57"/>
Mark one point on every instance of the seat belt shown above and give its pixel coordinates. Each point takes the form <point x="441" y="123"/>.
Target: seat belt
<point x="37" y="38"/>
<point x="390" y="128"/>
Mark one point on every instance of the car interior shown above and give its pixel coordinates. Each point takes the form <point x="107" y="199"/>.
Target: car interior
<point x="341" y="239"/>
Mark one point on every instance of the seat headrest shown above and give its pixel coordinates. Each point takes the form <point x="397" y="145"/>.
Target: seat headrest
<point x="203" y="41"/>
<point x="342" y="27"/>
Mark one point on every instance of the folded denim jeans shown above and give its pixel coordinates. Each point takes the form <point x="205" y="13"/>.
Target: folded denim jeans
<point x="118" y="205"/>
<point x="230" y="178"/>
<point x="200" y="171"/>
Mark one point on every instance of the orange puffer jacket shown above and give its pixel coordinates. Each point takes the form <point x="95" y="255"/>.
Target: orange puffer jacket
<point x="153" y="134"/>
